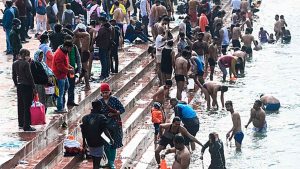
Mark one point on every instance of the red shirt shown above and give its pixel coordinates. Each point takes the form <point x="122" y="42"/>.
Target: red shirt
<point x="60" y="64"/>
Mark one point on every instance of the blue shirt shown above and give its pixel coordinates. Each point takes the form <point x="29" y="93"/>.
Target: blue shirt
<point x="185" y="111"/>
<point x="8" y="16"/>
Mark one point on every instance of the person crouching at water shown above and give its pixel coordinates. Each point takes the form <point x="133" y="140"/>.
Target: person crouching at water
<point x="258" y="117"/>
<point x="167" y="134"/>
<point x="216" y="150"/>
<point x="236" y="130"/>
<point x="211" y="89"/>
<point x="189" y="118"/>
<point x="270" y="103"/>
<point x="182" y="154"/>
<point x="227" y="61"/>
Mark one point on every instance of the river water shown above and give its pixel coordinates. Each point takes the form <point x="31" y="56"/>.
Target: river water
<point x="274" y="70"/>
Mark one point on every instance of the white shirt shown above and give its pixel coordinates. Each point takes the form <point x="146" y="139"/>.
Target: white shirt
<point x="236" y="4"/>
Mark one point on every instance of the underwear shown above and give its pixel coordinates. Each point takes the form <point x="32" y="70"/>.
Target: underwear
<point x="272" y="107"/>
<point x="179" y="78"/>
<point x="236" y="43"/>
<point x="248" y="50"/>
<point x="239" y="136"/>
<point x="212" y="62"/>
<point x="263" y="129"/>
<point x="85" y="56"/>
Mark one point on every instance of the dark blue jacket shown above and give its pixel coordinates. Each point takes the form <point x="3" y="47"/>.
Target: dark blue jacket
<point x="8" y="18"/>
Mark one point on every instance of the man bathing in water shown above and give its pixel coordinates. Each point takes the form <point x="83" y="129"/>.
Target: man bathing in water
<point x="270" y="103"/>
<point x="277" y="27"/>
<point x="210" y="90"/>
<point x="167" y="132"/>
<point x="285" y="35"/>
<point x="182" y="154"/>
<point x="258" y="117"/>
<point x="212" y="57"/>
<point x="236" y="130"/>
<point x="248" y="39"/>
<point x="163" y="92"/>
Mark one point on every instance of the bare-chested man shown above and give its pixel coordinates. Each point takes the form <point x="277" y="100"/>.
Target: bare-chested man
<point x="207" y="36"/>
<point x="157" y="10"/>
<point x="193" y="5"/>
<point x="246" y="21"/>
<point x="277" y="27"/>
<point x="181" y="72"/>
<point x="248" y="39"/>
<point x="270" y="103"/>
<point x="236" y="35"/>
<point x="182" y="154"/>
<point x="210" y="89"/>
<point x="244" y="6"/>
<point x="118" y="14"/>
<point x="162" y="92"/>
<point x="212" y="57"/>
<point x="258" y="117"/>
<point x="200" y="47"/>
<point x="167" y="132"/>
<point x="236" y="130"/>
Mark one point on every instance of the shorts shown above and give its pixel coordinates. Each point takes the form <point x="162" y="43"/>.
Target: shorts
<point x="262" y="130"/>
<point x="85" y="56"/>
<point x="179" y="78"/>
<point x="272" y="107"/>
<point x="156" y="128"/>
<point x="248" y="50"/>
<point x="239" y="136"/>
<point x="96" y="151"/>
<point x="212" y="62"/>
<point x="192" y="127"/>
<point x="236" y="43"/>
<point x="165" y="141"/>
<point x="236" y="10"/>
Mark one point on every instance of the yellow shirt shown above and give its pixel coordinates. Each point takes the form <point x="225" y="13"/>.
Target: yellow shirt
<point x="121" y="6"/>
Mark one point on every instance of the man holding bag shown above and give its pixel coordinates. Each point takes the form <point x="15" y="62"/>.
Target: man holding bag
<point x="23" y="80"/>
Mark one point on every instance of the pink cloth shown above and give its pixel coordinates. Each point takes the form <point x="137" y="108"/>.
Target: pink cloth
<point x="203" y="22"/>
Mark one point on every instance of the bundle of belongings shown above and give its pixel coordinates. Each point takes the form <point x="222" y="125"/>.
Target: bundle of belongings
<point x="72" y="147"/>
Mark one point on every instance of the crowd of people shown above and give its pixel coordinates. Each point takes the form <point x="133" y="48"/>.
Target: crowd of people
<point x="74" y="33"/>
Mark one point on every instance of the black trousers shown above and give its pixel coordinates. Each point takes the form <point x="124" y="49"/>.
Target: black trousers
<point x="25" y="97"/>
<point x="23" y="32"/>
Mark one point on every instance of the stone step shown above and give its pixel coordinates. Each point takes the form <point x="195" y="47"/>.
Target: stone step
<point x="76" y="113"/>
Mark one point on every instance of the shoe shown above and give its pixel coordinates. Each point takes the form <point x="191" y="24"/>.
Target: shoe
<point x="24" y="41"/>
<point x="29" y="129"/>
<point x="9" y="53"/>
<point x="72" y="104"/>
<point x="28" y="37"/>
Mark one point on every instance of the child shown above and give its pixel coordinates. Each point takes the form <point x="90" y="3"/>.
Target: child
<point x="157" y="119"/>
<point x="68" y="17"/>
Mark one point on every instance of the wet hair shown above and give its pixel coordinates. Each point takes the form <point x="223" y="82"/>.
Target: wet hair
<point x="170" y="43"/>
<point x="97" y="106"/>
<point x="179" y="139"/>
<point x="212" y="136"/>
<point x="169" y="82"/>
<point x="44" y="38"/>
<point x="228" y="102"/>
<point x="176" y="119"/>
<point x="173" y="100"/>
<point x="261" y="95"/>
<point x="24" y="52"/>
<point x="281" y="17"/>
<point x="185" y="53"/>
<point x="68" y="43"/>
<point x="255" y="42"/>
<point x="68" y="6"/>
<point x="68" y="38"/>
<point x="224" y="88"/>
<point x="57" y="28"/>
<point x="117" y="3"/>
<point x="258" y="102"/>
<point x="9" y="3"/>
<point x="261" y="28"/>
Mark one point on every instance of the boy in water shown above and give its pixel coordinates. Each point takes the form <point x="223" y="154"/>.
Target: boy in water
<point x="157" y="119"/>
